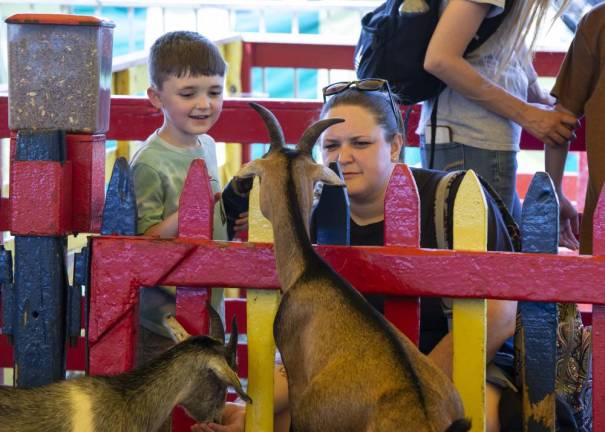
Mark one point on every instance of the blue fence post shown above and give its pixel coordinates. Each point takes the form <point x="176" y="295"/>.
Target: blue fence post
<point x="538" y="326"/>
<point x="332" y="214"/>
<point x="120" y="209"/>
<point x="40" y="294"/>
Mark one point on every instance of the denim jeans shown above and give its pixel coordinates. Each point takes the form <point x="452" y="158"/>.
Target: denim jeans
<point x="498" y="168"/>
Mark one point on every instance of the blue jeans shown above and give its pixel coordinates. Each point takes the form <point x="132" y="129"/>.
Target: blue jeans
<point x="498" y="168"/>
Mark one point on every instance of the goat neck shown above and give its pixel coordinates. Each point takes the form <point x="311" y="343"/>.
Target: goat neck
<point x="288" y="177"/>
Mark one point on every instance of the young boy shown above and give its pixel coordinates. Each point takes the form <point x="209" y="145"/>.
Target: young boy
<point x="580" y="89"/>
<point x="186" y="72"/>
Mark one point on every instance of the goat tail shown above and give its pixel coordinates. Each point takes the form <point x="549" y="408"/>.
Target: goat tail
<point x="460" y="425"/>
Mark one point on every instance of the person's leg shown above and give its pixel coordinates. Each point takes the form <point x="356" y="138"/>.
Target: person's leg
<point x="448" y="157"/>
<point x="499" y="169"/>
<point x="492" y="398"/>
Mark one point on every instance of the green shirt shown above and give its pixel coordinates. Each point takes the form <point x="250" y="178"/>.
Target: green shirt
<point x="159" y="170"/>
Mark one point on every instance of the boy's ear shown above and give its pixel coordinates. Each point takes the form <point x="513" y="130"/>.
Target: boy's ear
<point x="154" y="97"/>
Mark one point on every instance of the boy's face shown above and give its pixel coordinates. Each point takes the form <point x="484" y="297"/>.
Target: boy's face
<point x="191" y="104"/>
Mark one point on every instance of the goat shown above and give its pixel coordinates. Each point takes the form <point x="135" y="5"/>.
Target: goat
<point x="194" y="373"/>
<point x="348" y="368"/>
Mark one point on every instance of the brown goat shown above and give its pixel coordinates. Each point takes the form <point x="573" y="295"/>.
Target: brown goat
<point x="348" y="368"/>
<point x="194" y="373"/>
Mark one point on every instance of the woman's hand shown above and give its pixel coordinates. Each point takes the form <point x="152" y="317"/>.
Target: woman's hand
<point x="568" y="224"/>
<point x="550" y="126"/>
<point x="234" y="420"/>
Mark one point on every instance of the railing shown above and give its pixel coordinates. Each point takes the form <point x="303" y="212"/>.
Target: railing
<point x="553" y="278"/>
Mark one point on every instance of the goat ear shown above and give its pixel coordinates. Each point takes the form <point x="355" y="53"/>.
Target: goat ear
<point x="177" y="331"/>
<point x="216" y="324"/>
<point x="232" y="345"/>
<point x="327" y="176"/>
<point x="222" y="370"/>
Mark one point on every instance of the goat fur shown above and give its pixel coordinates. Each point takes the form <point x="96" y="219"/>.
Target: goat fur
<point x="348" y="368"/>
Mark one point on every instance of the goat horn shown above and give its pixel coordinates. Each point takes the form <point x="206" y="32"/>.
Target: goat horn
<point x="276" y="135"/>
<point x="313" y="132"/>
<point x="216" y="325"/>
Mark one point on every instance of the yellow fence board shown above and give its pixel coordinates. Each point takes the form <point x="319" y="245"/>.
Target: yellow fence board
<point x="470" y="315"/>
<point x="261" y="308"/>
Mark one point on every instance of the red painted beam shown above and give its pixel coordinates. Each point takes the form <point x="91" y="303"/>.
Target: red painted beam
<point x="396" y="270"/>
<point x="548" y="63"/>
<point x="134" y="118"/>
<point x="300" y="55"/>
<point x="340" y="56"/>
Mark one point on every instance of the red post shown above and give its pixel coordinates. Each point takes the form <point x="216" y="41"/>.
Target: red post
<point x="402" y="228"/>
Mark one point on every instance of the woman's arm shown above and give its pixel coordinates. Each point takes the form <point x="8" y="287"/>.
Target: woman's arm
<point x="445" y="59"/>
<point x="501" y="316"/>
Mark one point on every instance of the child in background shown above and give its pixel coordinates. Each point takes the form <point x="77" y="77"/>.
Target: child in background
<point x="580" y="90"/>
<point x="186" y="72"/>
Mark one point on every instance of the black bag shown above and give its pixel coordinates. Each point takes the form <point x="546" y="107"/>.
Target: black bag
<point x="392" y="46"/>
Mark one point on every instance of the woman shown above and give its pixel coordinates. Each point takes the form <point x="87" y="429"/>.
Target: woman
<point x="492" y="93"/>
<point x="367" y="146"/>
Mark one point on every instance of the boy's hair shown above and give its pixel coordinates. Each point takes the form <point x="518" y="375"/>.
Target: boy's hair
<point x="183" y="53"/>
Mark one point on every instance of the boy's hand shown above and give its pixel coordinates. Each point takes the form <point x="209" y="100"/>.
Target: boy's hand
<point x="234" y="420"/>
<point x="241" y="223"/>
<point x="568" y="224"/>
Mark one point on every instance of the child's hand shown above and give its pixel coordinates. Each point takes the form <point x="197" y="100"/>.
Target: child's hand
<point x="568" y="224"/>
<point x="241" y="223"/>
<point x="234" y="420"/>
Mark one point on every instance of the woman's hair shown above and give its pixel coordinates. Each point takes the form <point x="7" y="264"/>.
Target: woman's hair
<point x="522" y="25"/>
<point x="376" y="102"/>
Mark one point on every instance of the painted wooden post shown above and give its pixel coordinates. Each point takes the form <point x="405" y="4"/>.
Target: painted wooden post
<point x="261" y="309"/>
<point x="120" y="208"/>
<point x="402" y="228"/>
<point x="470" y="315"/>
<point x="598" y="326"/>
<point x="40" y="219"/>
<point x="537" y="332"/>
<point x="331" y="215"/>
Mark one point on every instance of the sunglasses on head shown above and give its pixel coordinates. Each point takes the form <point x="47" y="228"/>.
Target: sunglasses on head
<point x="368" y="84"/>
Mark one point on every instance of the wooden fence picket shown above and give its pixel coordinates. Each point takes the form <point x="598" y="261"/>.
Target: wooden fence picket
<point x="470" y="315"/>
<point x="537" y="329"/>
<point x="402" y="228"/>
<point x="261" y="309"/>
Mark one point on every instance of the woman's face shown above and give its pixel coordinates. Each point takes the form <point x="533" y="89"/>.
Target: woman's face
<point x="359" y="145"/>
